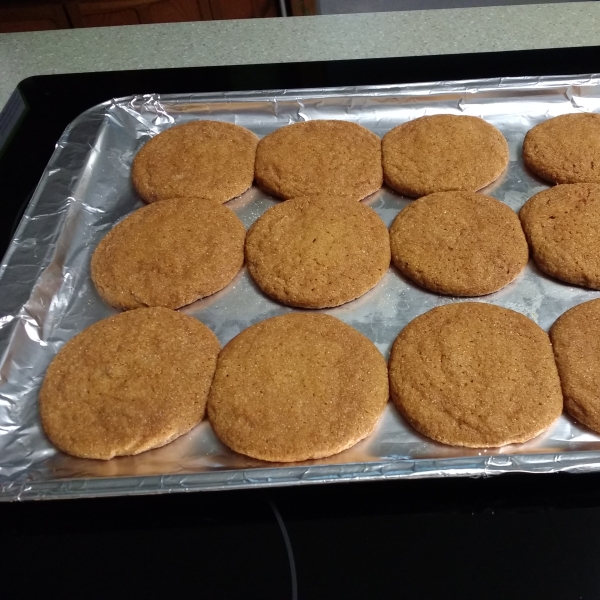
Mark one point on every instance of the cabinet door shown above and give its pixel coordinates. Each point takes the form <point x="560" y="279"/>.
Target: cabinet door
<point x="243" y="9"/>
<point x="170" y="11"/>
<point x="132" y="12"/>
<point x="33" y="18"/>
<point x="303" y="8"/>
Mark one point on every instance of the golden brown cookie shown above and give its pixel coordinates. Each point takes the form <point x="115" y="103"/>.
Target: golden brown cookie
<point x="442" y="153"/>
<point x="169" y="254"/>
<point x="201" y="159"/>
<point x="128" y="383"/>
<point x="476" y="375"/>
<point x="562" y="225"/>
<point x="336" y="158"/>
<point x="318" y="251"/>
<point x="297" y="387"/>
<point x="565" y="149"/>
<point x="459" y="243"/>
<point x="576" y="340"/>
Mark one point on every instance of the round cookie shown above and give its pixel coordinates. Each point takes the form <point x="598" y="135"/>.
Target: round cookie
<point x="201" y="159"/>
<point x="565" y="149"/>
<point x="443" y="153"/>
<point x="317" y="251"/>
<point x="297" y="387"/>
<point x="459" y="243"/>
<point x="576" y="341"/>
<point x="336" y="158"/>
<point x="128" y="383"/>
<point x="562" y="225"/>
<point x="476" y="375"/>
<point x="169" y="254"/>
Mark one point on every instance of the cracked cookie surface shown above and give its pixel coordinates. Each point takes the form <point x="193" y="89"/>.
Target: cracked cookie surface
<point x="562" y="225"/>
<point x="459" y="243"/>
<point x="128" y="383"/>
<point x="441" y="153"/>
<point x="201" y="159"/>
<point x="575" y="338"/>
<point x="336" y="158"/>
<point x="475" y="375"/>
<point x="565" y="149"/>
<point x="169" y="254"/>
<point x="318" y="251"/>
<point x="297" y="387"/>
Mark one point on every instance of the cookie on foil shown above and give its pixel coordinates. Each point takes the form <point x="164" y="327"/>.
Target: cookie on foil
<point x="336" y="158"/>
<point x="459" y="243"/>
<point x="317" y="251"/>
<point x="575" y="338"/>
<point x="201" y="159"/>
<point x="440" y="153"/>
<point x="169" y="254"/>
<point x="297" y="387"/>
<point x="128" y="383"/>
<point x="475" y="375"/>
<point x="565" y="149"/>
<point x="562" y="226"/>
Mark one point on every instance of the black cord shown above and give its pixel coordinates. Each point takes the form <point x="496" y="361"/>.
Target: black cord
<point x="288" y="547"/>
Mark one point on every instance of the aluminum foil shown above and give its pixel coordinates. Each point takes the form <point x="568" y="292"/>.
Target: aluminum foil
<point x="47" y="297"/>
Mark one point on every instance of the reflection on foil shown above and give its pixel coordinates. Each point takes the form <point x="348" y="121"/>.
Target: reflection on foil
<point x="47" y="296"/>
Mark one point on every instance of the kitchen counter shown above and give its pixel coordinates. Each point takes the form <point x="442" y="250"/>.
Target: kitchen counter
<point x="296" y="39"/>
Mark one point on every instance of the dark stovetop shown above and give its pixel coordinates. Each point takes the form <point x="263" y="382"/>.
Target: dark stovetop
<point x="512" y="536"/>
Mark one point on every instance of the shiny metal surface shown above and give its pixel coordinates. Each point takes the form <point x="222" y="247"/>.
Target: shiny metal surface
<point x="46" y="295"/>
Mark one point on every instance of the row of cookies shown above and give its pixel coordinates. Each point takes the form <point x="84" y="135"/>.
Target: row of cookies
<point x="311" y="252"/>
<point x="306" y="385"/>
<point x="219" y="161"/>
<point x="289" y="388"/>
<point x="321" y="251"/>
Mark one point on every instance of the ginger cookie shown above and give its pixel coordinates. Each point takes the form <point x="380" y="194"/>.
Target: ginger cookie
<point x="565" y="149"/>
<point x="169" y="254"/>
<point x="562" y="225"/>
<point x="201" y="159"/>
<point x="128" y="383"/>
<point x="576" y="341"/>
<point x="443" y="153"/>
<point x="476" y="375"/>
<point x="297" y="387"/>
<point x="459" y="243"/>
<point x="336" y="158"/>
<point x="318" y="251"/>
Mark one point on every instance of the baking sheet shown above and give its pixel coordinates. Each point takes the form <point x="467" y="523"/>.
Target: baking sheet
<point x="46" y="295"/>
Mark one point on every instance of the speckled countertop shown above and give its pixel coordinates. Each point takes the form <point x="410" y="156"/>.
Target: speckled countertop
<point x="332" y="37"/>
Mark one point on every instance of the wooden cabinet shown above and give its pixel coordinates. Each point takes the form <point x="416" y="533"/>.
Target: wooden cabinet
<point x="32" y="17"/>
<point x="303" y="8"/>
<point x="102" y="13"/>
<point x="243" y="9"/>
